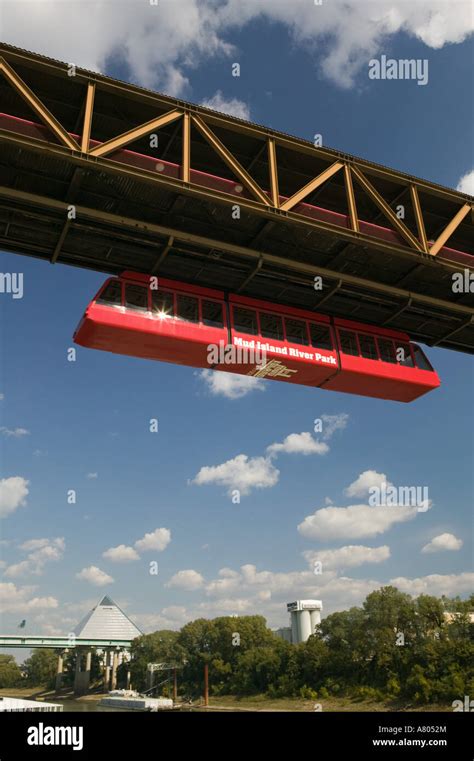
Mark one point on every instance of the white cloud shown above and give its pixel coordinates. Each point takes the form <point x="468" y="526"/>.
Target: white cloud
<point x="450" y="585"/>
<point x="161" y="46"/>
<point x="15" y="599"/>
<point x="466" y="183"/>
<point x="155" y="42"/>
<point x="232" y="106"/>
<point x="92" y="476"/>
<point x="230" y="385"/>
<point x="343" y="35"/>
<point x="242" y="473"/>
<point x="121" y="554"/>
<point x="366" y="481"/>
<point x="244" y="591"/>
<point x="40" y="552"/>
<point x="22" y="568"/>
<point x="94" y="576"/>
<point x="353" y="522"/>
<point x="333" y="423"/>
<point x="31" y="545"/>
<point x="188" y="580"/>
<point x="299" y="443"/>
<point x="61" y="620"/>
<point x="247" y="590"/>
<point x="443" y="542"/>
<point x="15" y="433"/>
<point x="13" y="493"/>
<point x="171" y="617"/>
<point x="351" y="556"/>
<point x="249" y="580"/>
<point x="156" y="540"/>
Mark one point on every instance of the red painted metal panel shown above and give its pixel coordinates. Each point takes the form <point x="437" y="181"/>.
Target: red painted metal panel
<point x="153" y="335"/>
<point x="231" y="187"/>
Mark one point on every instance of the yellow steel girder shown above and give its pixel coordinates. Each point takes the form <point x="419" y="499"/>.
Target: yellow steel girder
<point x="262" y="199"/>
<point x="37" y="105"/>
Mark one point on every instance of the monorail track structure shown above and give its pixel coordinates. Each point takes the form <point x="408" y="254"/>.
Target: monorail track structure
<point x="222" y="203"/>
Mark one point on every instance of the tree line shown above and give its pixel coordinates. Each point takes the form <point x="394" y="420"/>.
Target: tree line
<point x="391" y="647"/>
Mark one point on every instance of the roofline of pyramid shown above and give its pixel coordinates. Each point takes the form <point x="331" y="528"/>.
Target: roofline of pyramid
<point x="85" y="619"/>
<point x="120" y="609"/>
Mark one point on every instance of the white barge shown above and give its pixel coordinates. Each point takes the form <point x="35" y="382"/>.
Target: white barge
<point x="130" y="700"/>
<point x="27" y="706"/>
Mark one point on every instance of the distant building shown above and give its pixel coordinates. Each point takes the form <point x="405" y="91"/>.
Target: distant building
<point x="450" y="617"/>
<point x="305" y="617"/>
<point x="284" y="633"/>
<point x="107" y="621"/>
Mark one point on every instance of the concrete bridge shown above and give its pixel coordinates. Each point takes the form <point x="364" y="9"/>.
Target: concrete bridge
<point x="106" y="629"/>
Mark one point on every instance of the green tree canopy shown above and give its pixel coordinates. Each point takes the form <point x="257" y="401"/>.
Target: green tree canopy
<point x="10" y="673"/>
<point x="41" y="667"/>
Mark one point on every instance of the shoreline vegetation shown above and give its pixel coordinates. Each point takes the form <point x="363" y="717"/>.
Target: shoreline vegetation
<point x="259" y="703"/>
<point x="393" y="653"/>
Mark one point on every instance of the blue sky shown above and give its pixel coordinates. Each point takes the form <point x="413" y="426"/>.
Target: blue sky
<point x="84" y="425"/>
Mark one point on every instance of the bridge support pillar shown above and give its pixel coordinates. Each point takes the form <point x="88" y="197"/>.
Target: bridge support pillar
<point x="106" y="670"/>
<point x="82" y="678"/>
<point x="59" y="672"/>
<point x="113" y="681"/>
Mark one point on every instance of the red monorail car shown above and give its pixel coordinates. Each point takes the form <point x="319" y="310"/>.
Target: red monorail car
<point x="201" y="327"/>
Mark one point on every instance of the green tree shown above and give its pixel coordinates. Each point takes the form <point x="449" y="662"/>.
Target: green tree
<point x="159" y="647"/>
<point x="257" y="669"/>
<point x="41" y="667"/>
<point x="10" y="673"/>
<point x="392" y="645"/>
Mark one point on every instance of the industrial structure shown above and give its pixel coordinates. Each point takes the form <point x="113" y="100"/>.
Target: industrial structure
<point x="305" y="616"/>
<point x="105" y="629"/>
<point x="102" y="174"/>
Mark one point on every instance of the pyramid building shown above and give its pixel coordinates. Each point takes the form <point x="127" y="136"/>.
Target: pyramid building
<point x="107" y="621"/>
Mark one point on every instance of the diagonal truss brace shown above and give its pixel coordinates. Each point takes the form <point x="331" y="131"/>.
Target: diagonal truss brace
<point x="37" y="106"/>
<point x="270" y="199"/>
<point x="230" y="160"/>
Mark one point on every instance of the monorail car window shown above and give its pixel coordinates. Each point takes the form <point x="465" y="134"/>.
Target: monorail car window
<point x="421" y="359"/>
<point x="162" y="303"/>
<point x="271" y="326"/>
<point x="349" y="342"/>
<point x="296" y="331"/>
<point x="136" y="297"/>
<point x="387" y="350"/>
<point x="403" y="354"/>
<point x="245" y="321"/>
<point x="320" y="336"/>
<point x="212" y="314"/>
<point x="368" y="347"/>
<point x="188" y="308"/>
<point x="111" y="294"/>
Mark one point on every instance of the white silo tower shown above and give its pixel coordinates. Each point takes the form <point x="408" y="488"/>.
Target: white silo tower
<point x="305" y="616"/>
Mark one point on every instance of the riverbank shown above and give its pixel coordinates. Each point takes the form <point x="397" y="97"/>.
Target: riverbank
<point x="261" y="703"/>
<point x="254" y="703"/>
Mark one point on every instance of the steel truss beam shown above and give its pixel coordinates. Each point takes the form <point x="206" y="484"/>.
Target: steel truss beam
<point x="309" y="270"/>
<point x="262" y="202"/>
<point x="37" y="106"/>
<point x="188" y="188"/>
